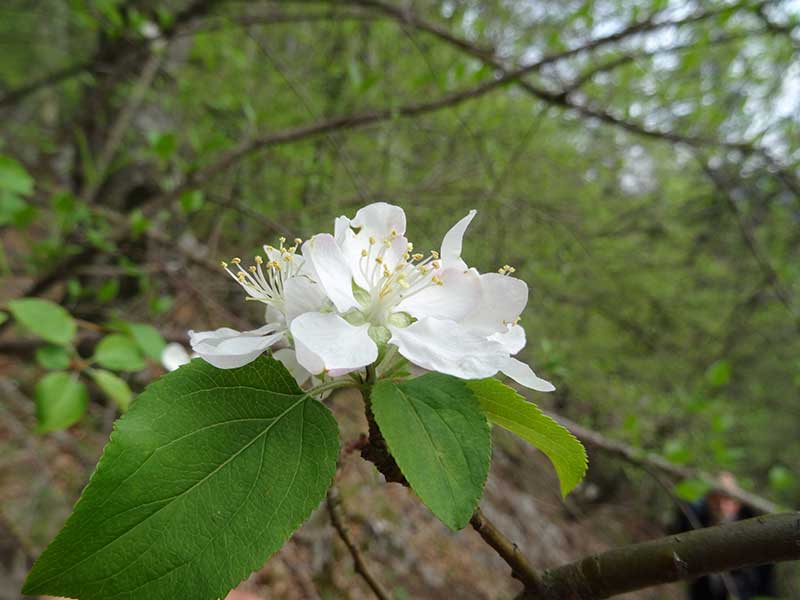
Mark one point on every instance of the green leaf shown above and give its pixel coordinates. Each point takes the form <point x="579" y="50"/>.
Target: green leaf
<point x="506" y="408"/>
<point x="203" y="479"/>
<point x="691" y="489"/>
<point x="55" y="358"/>
<point x="114" y="387"/>
<point x="3" y="317"/>
<point x="14" y="177"/>
<point x="719" y="373"/>
<point x="191" y="201"/>
<point x="45" y="319"/>
<point x="119" y="352"/>
<point x="61" y="400"/>
<point x="147" y="338"/>
<point x="435" y="431"/>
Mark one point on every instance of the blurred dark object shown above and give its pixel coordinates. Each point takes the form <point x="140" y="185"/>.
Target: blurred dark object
<point x="717" y="508"/>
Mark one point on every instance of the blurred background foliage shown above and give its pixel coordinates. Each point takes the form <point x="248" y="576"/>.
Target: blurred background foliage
<point x="640" y="172"/>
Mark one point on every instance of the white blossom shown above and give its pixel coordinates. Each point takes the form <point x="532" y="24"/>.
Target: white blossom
<point x="285" y="284"/>
<point x="437" y="312"/>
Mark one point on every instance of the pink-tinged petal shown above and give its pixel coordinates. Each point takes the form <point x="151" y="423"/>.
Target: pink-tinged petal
<point x="332" y="270"/>
<point x="446" y="347"/>
<point x="454" y="299"/>
<point x="174" y="355"/>
<point x="227" y="348"/>
<point x="503" y="299"/>
<point x="379" y="219"/>
<point x="288" y="358"/>
<point x="302" y="295"/>
<point x="513" y="339"/>
<point x="524" y="375"/>
<point x="452" y="243"/>
<point x="326" y="342"/>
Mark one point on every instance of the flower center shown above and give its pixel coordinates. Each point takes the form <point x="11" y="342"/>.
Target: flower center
<point x="394" y="272"/>
<point x="265" y="280"/>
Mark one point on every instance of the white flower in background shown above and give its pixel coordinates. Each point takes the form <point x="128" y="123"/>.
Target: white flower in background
<point x="173" y="356"/>
<point x="438" y="313"/>
<point x="287" y="286"/>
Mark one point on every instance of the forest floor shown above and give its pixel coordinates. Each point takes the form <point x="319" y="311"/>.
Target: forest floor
<point x="409" y="550"/>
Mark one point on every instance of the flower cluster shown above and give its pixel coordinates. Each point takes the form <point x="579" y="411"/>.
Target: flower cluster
<point x="363" y="296"/>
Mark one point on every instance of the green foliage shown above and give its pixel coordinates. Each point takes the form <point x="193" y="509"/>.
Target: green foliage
<point x="114" y="387"/>
<point x="53" y="358"/>
<point x="148" y="339"/>
<point x="61" y="400"/>
<point x="205" y="477"/>
<point x="3" y="317"/>
<point x="719" y="373"/>
<point x="14" y="178"/>
<point x="44" y="319"/>
<point x="119" y="352"/>
<point x="691" y="489"/>
<point x="505" y="407"/>
<point x="15" y="184"/>
<point x="436" y="432"/>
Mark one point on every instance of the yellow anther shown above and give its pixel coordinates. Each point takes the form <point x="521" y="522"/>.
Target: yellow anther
<point x="435" y="279"/>
<point x="252" y="269"/>
<point x="274" y="264"/>
<point x="371" y="240"/>
<point x="501" y="270"/>
<point x="403" y="284"/>
<point x="410" y="246"/>
<point x="287" y="257"/>
<point x="387" y="243"/>
<point x="224" y="264"/>
<point x="292" y="249"/>
<point x="281" y="240"/>
<point x="364" y="252"/>
<point x="436" y="264"/>
<point x="297" y="241"/>
<point x="417" y="256"/>
<point x="379" y="260"/>
<point x="236" y="260"/>
<point x="434" y="254"/>
<point x="423" y="269"/>
<point x="259" y="260"/>
<point x="512" y="270"/>
<point x="394" y="233"/>
<point x="386" y="272"/>
<point x="240" y="275"/>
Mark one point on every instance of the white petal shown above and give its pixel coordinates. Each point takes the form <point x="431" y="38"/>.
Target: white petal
<point x="342" y="230"/>
<point x="503" y="299"/>
<point x="174" y="355"/>
<point x="289" y="360"/>
<point x="454" y="299"/>
<point x="227" y="348"/>
<point x="452" y="243"/>
<point x="301" y="296"/>
<point x="446" y="347"/>
<point x="332" y="269"/>
<point x="513" y="339"/>
<point x="325" y="341"/>
<point x="524" y="375"/>
<point x="379" y="219"/>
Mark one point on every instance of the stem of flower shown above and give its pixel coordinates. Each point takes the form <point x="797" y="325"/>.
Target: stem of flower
<point x="333" y="385"/>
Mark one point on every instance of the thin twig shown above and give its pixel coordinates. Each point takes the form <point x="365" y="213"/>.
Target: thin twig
<point x="336" y="512"/>
<point x="508" y="551"/>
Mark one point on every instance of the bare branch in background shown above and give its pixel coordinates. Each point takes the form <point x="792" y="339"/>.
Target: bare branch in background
<point x="336" y="513"/>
